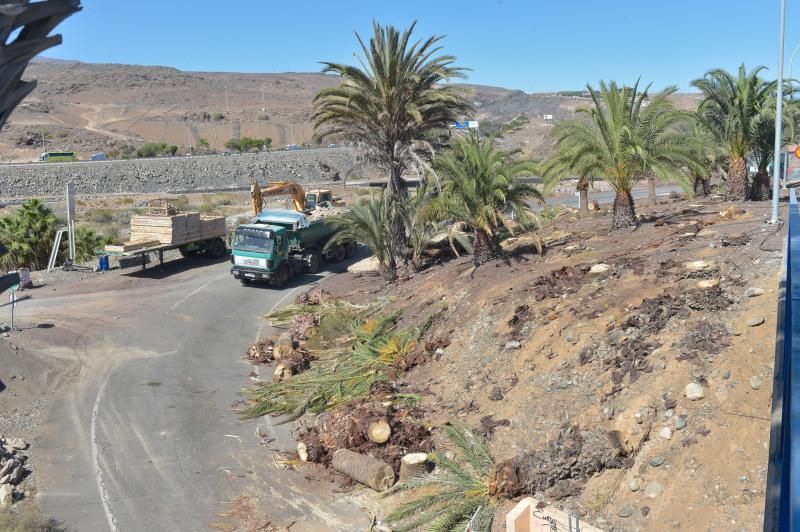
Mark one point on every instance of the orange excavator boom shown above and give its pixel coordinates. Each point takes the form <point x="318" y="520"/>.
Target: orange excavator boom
<point x="279" y="188"/>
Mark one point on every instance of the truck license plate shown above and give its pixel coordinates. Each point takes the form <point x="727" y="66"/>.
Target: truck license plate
<point x="251" y="275"/>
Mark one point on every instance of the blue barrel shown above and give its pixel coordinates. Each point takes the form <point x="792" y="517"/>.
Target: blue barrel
<point x="103" y="265"/>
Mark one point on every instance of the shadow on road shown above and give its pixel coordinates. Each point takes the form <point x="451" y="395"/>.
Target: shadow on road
<point x="175" y="266"/>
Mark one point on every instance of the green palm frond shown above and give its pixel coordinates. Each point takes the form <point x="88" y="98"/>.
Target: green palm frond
<point x="397" y="97"/>
<point x="455" y="492"/>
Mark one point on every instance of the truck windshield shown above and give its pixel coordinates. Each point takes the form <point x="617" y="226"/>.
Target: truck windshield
<point x="253" y="240"/>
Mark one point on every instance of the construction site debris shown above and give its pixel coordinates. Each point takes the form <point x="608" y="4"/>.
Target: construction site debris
<point x="364" y="469"/>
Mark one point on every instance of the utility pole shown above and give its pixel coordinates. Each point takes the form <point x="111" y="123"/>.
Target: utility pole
<point x="227" y="106"/>
<point x="291" y="127"/>
<point x="776" y="157"/>
<point x="189" y="135"/>
<point x="263" y="101"/>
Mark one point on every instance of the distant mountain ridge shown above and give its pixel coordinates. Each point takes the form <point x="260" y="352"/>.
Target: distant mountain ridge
<point x="91" y="106"/>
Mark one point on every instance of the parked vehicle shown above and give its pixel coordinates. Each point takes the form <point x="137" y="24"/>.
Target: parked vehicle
<point x="57" y="156"/>
<point x="99" y="156"/>
<point x="292" y="147"/>
<point x="282" y="243"/>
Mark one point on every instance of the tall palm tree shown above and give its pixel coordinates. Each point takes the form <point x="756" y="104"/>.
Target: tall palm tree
<point x="763" y="150"/>
<point x="480" y="191"/>
<point x="666" y="150"/>
<point x="625" y="135"/>
<point x="394" y="104"/>
<point x="732" y="109"/>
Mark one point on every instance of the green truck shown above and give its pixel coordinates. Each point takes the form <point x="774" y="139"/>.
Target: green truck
<point x="279" y="244"/>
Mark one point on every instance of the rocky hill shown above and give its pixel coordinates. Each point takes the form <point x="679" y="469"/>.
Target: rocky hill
<point x="90" y="107"/>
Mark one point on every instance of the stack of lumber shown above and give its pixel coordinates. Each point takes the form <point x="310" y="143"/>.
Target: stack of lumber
<point x="211" y="226"/>
<point x="175" y="229"/>
<point x="154" y="230"/>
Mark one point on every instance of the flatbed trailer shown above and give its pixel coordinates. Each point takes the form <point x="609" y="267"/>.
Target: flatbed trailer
<point x="213" y="247"/>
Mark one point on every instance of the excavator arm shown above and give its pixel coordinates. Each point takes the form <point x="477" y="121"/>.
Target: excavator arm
<point x="280" y="188"/>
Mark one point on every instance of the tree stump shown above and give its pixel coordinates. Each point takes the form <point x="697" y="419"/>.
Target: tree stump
<point x="413" y="465"/>
<point x="379" y="431"/>
<point x="364" y="469"/>
<point x="284" y="346"/>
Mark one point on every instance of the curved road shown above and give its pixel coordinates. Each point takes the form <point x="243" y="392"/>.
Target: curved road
<point x="142" y="435"/>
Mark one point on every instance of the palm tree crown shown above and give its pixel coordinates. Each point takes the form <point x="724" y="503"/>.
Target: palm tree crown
<point x="480" y="191"/>
<point x="394" y="102"/>
<point x="733" y="110"/>
<point x="625" y="135"/>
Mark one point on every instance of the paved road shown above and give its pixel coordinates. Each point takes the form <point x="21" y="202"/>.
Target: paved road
<point x="143" y="437"/>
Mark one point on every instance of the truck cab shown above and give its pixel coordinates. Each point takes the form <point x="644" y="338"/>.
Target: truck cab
<point x="258" y="252"/>
<point x="278" y="244"/>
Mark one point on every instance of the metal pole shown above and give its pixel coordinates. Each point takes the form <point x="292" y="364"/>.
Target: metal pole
<point x="776" y="174"/>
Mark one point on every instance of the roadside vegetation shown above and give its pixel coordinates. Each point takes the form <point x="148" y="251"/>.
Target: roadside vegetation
<point x="247" y="144"/>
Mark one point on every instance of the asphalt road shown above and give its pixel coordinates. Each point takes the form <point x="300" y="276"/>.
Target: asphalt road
<point x="142" y="436"/>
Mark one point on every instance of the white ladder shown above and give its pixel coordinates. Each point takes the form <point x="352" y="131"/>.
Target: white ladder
<point x="56" y="246"/>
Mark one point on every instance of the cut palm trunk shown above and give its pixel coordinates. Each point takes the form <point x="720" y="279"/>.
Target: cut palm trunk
<point x="761" y="186"/>
<point x="413" y="465"/>
<point x="364" y="469"/>
<point x="379" y="431"/>
<point x="701" y="187"/>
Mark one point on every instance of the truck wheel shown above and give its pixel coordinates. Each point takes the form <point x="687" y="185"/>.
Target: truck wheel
<point x="282" y="277"/>
<point x="245" y="282"/>
<point x="314" y="262"/>
<point x="350" y="249"/>
<point x="217" y="248"/>
<point x="339" y="254"/>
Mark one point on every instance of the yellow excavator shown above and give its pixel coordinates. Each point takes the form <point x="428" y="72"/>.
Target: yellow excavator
<point x="302" y="200"/>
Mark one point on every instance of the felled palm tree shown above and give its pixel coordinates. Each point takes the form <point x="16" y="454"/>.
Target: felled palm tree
<point x="480" y="191"/>
<point x="394" y="104"/>
<point x="621" y="138"/>
<point x="34" y="22"/>
<point x="456" y="495"/>
<point x="732" y="109"/>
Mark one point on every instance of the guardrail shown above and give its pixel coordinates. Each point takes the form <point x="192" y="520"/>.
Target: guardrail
<point x="782" y="505"/>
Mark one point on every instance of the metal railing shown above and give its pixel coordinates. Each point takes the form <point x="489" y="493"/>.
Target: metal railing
<point x="782" y="506"/>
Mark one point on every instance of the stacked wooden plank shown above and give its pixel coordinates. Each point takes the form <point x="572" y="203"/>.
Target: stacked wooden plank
<point x="175" y="229"/>
<point x="154" y="230"/>
<point x="212" y="226"/>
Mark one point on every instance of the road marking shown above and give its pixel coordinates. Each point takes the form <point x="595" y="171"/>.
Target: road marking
<point x="96" y="457"/>
<point x="195" y="291"/>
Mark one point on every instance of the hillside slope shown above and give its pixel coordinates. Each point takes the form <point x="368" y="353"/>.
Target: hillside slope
<point x="89" y="107"/>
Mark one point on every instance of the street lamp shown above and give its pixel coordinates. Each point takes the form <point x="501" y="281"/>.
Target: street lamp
<point x="776" y="179"/>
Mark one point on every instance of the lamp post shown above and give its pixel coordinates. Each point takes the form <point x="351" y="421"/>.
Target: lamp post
<point x="776" y="179"/>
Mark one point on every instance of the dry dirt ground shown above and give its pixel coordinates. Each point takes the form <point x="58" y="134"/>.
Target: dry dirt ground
<point x="539" y="341"/>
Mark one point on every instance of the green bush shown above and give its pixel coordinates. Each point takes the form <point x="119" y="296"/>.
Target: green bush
<point x="154" y="149"/>
<point x="27" y="235"/>
<point x="86" y="242"/>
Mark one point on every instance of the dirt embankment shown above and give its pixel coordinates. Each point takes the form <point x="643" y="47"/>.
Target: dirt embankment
<point x="662" y="338"/>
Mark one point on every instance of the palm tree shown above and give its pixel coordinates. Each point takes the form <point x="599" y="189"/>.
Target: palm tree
<point x="394" y="104"/>
<point x="732" y="109"/>
<point x="480" y="192"/>
<point x="625" y="135"/>
<point x="764" y="146"/>
<point x="707" y="152"/>
<point x="666" y="150"/>
<point x="27" y="234"/>
<point x="369" y="223"/>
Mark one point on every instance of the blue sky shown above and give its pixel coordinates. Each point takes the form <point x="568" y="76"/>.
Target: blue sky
<point x="533" y="45"/>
